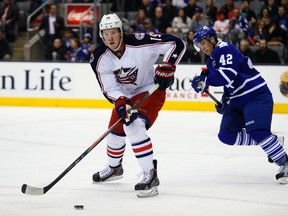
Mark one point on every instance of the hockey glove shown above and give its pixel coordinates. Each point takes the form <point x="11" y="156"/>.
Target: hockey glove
<point x="200" y="83"/>
<point x="124" y="110"/>
<point x="220" y="108"/>
<point x="164" y="75"/>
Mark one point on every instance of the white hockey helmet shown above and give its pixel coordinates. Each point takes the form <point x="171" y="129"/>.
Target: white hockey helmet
<point x="110" y="21"/>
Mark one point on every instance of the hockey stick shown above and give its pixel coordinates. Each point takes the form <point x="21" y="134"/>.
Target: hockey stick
<point x="213" y="98"/>
<point x="26" y="189"/>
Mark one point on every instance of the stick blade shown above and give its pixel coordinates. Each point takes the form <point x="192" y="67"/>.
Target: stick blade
<point x="26" y="189"/>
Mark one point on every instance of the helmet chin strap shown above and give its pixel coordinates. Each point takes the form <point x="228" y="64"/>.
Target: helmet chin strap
<point x="119" y="46"/>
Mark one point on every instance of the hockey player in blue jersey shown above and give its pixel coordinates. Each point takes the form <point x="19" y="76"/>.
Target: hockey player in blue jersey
<point x="247" y="102"/>
<point x="124" y="68"/>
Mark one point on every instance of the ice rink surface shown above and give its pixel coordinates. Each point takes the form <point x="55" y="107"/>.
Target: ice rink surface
<point x="199" y="176"/>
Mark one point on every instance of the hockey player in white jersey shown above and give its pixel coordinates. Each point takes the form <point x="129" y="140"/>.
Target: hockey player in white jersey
<point x="247" y="103"/>
<point x="124" y="68"/>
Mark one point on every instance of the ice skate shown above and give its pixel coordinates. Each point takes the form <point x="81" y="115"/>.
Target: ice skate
<point x="282" y="175"/>
<point x="147" y="187"/>
<point x="281" y="140"/>
<point x="108" y="174"/>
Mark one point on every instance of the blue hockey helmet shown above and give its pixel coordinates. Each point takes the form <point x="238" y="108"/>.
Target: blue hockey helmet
<point x="203" y="33"/>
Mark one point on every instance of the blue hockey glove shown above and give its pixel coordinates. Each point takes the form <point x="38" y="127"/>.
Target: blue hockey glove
<point x="124" y="110"/>
<point x="200" y="83"/>
<point x="164" y="75"/>
<point x="220" y="108"/>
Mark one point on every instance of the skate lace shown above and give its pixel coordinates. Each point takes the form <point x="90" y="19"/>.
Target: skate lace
<point x="146" y="176"/>
<point x="105" y="172"/>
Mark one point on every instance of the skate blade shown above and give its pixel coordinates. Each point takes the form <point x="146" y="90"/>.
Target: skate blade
<point x="283" y="180"/>
<point x="148" y="193"/>
<point x="109" y="179"/>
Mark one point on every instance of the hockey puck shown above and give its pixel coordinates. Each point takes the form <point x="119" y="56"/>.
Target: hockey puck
<point x="79" y="207"/>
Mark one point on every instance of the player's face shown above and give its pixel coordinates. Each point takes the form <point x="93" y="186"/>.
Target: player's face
<point x="206" y="46"/>
<point x="112" y="37"/>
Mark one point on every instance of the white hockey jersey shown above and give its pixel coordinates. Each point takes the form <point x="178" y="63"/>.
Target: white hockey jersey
<point x="133" y="72"/>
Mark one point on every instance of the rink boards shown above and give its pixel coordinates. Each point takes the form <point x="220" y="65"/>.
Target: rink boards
<point x="75" y="85"/>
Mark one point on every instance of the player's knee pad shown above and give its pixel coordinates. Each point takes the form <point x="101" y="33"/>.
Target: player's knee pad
<point x="114" y="141"/>
<point x="259" y="135"/>
<point x="136" y="131"/>
<point x="227" y="137"/>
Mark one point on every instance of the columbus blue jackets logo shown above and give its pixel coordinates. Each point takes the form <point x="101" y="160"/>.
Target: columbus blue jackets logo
<point x="127" y="75"/>
<point x="139" y="36"/>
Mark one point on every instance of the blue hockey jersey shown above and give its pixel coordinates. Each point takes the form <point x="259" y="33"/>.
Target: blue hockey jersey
<point x="229" y="68"/>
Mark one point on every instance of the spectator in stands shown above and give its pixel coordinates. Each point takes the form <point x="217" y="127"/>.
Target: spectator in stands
<point x="148" y="8"/>
<point x="5" y="52"/>
<point x="257" y="33"/>
<point x="132" y="29"/>
<point x="139" y="20"/>
<point x="149" y="27"/>
<point x="169" y="30"/>
<point x="276" y="35"/>
<point x="170" y="11"/>
<point x="245" y="49"/>
<point x="160" y="22"/>
<point x="53" y="26"/>
<point x="285" y="3"/>
<point x="228" y="9"/>
<point x="265" y="55"/>
<point x="191" y="54"/>
<point x="198" y="20"/>
<point x="221" y="26"/>
<point x="86" y="46"/>
<point x="180" y="3"/>
<point x="272" y="6"/>
<point x="9" y="15"/>
<point x="281" y="19"/>
<point x="248" y="13"/>
<point x="211" y="11"/>
<point x="266" y="18"/>
<point x="234" y="38"/>
<point x="240" y="21"/>
<point x="181" y="24"/>
<point x="57" y="52"/>
<point x="67" y="40"/>
<point x="190" y="8"/>
<point x="76" y="53"/>
<point x="233" y="26"/>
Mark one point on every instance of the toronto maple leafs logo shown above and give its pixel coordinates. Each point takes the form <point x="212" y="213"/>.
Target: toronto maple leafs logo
<point x="127" y="75"/>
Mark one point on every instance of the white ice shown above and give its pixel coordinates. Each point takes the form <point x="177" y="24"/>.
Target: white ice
<point x="199" y="176"/>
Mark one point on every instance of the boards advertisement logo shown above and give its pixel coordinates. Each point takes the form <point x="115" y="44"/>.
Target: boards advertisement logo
<point x="74" y="13"/>
<point x="33" y="81"/>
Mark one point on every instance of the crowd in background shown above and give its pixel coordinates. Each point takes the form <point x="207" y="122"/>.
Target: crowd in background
<point x="254" y="32"/>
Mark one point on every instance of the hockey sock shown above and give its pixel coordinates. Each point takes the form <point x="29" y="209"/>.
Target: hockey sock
<point x="144" y="153"/>
<point x="115" y="155"/>
<point x="141" y="143"/>
<point x="244" y="139"/>
<point x="274" y="149"/>
<point x="115" y="149"/>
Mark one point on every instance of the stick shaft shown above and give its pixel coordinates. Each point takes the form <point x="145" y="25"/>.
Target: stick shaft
<point x="26" y="189"/>
<point x="213" y="98"/>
